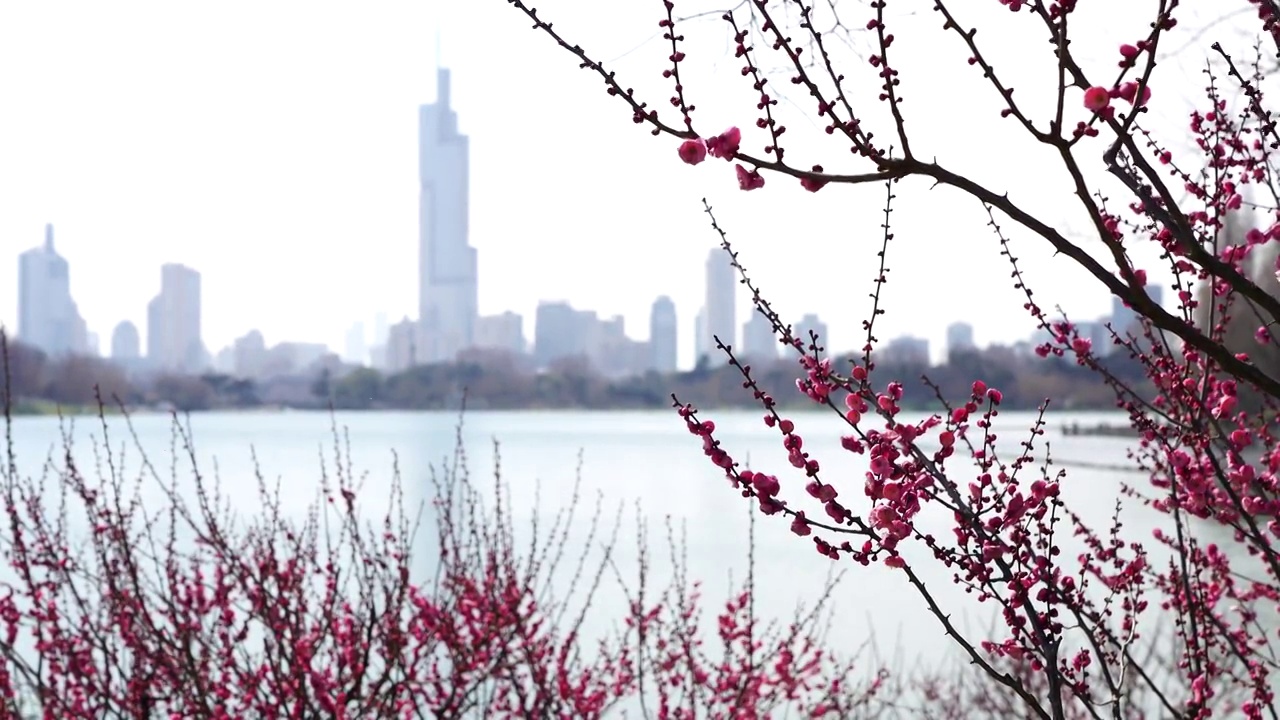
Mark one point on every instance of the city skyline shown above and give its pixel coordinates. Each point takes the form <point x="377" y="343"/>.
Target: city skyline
<point x="448" y="321"/>
<point x="52" y="323"/>
<point x="295" y="176"/>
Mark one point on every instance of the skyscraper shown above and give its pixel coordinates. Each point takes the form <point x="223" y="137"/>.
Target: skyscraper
<point x="48" y="318"/>
<point x="959" y="337"/>
<point x="699" y="337"/>
<point x="906" y="350"/>
<point x="356" y="351"/>
<point x="559" y="331"/>
<point x="759" y="343"/>
<point x="501" y="332"/>
<point x="447" y="273"/>
<point x="173" y="322"/>
<point x="1122" y="316"/>
<point x="718" y="315"/>
<point x="250" y="352"/>
<point x="809" y="326"/>
<point x="125" y="344"/>
<point x="662" y="335"/>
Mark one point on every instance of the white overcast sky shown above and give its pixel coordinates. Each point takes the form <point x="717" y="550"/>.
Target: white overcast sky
<point x="272" y="146"/>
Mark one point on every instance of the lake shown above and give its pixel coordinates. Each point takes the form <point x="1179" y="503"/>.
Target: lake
<point x="648" y="458"/>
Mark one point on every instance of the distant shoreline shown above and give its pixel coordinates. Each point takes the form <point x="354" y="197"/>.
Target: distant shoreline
<point x="46" y="409"/>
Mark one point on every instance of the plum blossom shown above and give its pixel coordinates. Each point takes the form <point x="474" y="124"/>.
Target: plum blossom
<point x="693" y="151"/>
<point x="1096" y="98"/>
<point x="749" y="179"/>
<point x="725" y="145"/>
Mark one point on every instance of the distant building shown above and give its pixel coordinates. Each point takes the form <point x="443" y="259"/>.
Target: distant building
<point x="1157" y="291"/>
<point x="250" y="354"/>
<point x="906" y="350"/>
<point x="378" y="351"/>
<point x="663" y="336"/>
<point x="356" y="351"/>
<point x="959" y="337"/>
<point x="1122" y="316"/>
<point x="811" y="324"/>
<point x="293" y="358"/>
<point x="594" y="332"/>
<point x="700" y="349"/>
<point x="402" y="346"/>
<point x="611" y="353"/>
<point x="719" y="312"/>
<point x="173" y="322"/>
<point x="48" y="318"/>
<point x="560" y="331"/>
<point x="759" y="343"/>
<point x="501" y="332"/>
<point x="621" y="358"/>
<point x="125" y="342"/>
<point x="1124" y="320"/>
<point x="447" y="267"/>
<point x="1099" y="336"/>
<point x="224" y="362"/>
<point x="92" y="344"/>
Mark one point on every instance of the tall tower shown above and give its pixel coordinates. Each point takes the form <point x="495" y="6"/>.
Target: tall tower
<point x="447" y="274"/>
<point x="48" y="318"/>
<point x="173" y="322"/>
<point x="719" y="314"/>
<point x="663" y="338"/>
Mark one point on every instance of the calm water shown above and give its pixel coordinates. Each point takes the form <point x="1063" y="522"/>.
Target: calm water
<point x="629" y="457"/>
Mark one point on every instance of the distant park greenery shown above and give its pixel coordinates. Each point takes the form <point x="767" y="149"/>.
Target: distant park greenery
<point x="44" y="386"/>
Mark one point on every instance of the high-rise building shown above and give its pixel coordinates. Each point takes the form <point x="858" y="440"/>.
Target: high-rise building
<point x="224" y="362"/>
<point x="1099" y="336"/>
<point x="959" y="337"/>
<point x="759" y="344"/>
<point x="699" y="336"/>
<point x="448" y="298"/>
<point x="48" y="318"/>
<point x="1122" y="316"/>
<point x="663" y="335"/>
<point x="125" y="342"/>
<point x="1124" y="321"/>
<point x="403" y="346"/>
<point x="609" y="350"/>
<point x="1156" y="292"/>
<point x="356" y="351"/>
<point x="560" y="331"/>
<point x="293" y="358"/>
<point x="501" y="332"/>
<point x="809" y="326"/>
<point x="906" y="350"/>
<point x="250" y="354"/>
<point x="173" y="322"/>
<point x="381" y="332"/>
<point x="721" y="305"/>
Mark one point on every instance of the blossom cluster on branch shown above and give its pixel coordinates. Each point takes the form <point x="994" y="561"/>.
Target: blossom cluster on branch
<point x="1076" y="634"/>
<point x="128" y="594"/>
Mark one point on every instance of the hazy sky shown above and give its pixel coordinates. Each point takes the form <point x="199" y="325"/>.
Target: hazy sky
<point x="272" y="146"/>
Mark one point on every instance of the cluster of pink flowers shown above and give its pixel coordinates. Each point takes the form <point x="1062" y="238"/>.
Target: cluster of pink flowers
<point x="724" y="146"/>
<point x="281" y="619"/>
<point x="1071" y="637"/>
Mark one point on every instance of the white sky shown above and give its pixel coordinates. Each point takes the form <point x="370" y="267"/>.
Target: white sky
<point x="272" y="146"/>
